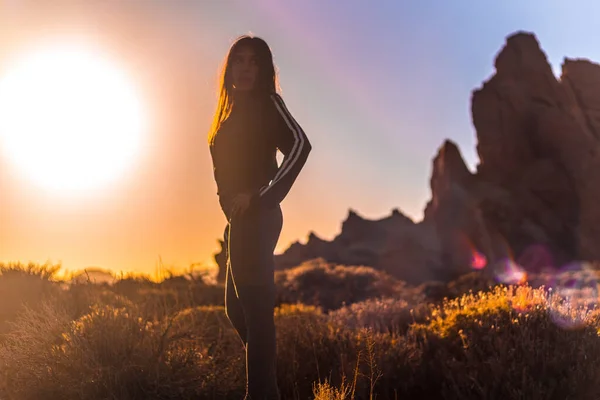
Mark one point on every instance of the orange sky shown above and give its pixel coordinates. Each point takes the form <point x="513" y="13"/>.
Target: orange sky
<point x="377" y="89"/>
<point x="164" y="206"/>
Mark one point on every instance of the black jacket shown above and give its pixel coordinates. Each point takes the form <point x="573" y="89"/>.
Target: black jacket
<point x="244" y="153"/>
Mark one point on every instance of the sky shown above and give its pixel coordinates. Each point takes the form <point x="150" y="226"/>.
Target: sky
<point x="377" y="86"/>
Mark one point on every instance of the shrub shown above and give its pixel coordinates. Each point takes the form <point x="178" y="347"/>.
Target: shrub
<point x="94" y="342"/>
<point x="385" y="315"/>
<point x="504" y="344"/>
<point x="24" y="285"/>
<point x="108" y="353"/>
<point x="330" y="286"/>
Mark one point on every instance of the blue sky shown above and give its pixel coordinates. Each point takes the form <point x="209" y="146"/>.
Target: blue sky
<point x="379" y="85"/>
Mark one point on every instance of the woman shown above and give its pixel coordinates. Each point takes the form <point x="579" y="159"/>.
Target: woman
<point x="251" y="123"/>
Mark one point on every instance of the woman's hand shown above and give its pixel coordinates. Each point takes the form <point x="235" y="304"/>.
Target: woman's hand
<point x="240" y="204"/>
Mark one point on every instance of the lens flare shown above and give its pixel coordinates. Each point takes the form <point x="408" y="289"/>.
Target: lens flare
<point x="509" y="272"/>
<point x="478" y="260"/>
<point x="536" y="258"/>
<point x="573" y="294"/>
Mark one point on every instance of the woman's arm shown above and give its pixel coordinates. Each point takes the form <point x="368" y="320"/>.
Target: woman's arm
<point x="295" y="146"/>
<point x="218" y="181"/>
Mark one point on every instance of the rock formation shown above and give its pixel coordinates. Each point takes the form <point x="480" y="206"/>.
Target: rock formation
<point x="394" y="244"/>
<point x="532" y="199"/>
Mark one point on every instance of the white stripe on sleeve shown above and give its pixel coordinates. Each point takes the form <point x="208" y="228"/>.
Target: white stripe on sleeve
<point x="298" y="143"/>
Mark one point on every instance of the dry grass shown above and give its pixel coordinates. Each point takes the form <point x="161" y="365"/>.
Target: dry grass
<point x="142" y="340"/>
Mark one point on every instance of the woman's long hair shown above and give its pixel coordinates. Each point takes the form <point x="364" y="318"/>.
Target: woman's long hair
<point x="266" y="82"/>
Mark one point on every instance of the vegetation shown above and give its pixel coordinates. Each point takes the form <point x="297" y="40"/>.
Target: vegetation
<point x="343" y="333"/>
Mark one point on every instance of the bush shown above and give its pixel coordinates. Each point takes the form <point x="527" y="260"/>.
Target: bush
<point x="330" y="286"/>
<point x="108" y="353"/>
<point x="385" y="315"/>
<point x="95" y="342"/>
<point x="24" y="285"/>
<point x="505" y="344"/>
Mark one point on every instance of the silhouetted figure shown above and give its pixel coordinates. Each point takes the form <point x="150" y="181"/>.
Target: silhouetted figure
<point x="251" y="123"/>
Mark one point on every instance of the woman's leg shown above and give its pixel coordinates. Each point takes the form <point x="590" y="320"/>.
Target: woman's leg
<point x="253" y="269"/>
<point x="233" y="306"/>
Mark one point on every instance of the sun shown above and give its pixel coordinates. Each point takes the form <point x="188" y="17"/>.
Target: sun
<point x="70" y="118"/>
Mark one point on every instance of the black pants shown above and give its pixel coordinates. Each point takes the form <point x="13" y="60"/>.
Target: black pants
<point x="250" y="295"/>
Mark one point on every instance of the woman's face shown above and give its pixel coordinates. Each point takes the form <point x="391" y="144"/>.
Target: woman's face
<point x="244" y="69"/>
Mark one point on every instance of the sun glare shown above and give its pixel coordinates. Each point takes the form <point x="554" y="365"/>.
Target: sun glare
<point x="70" y="119"/>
